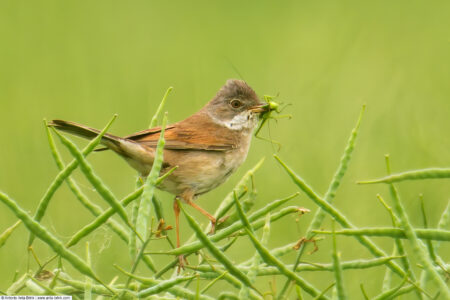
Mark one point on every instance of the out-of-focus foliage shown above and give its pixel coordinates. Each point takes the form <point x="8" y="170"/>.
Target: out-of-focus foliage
<point x="86" y="60"/>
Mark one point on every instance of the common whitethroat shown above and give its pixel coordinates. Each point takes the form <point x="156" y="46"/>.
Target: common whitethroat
<point x="207" y="147"/>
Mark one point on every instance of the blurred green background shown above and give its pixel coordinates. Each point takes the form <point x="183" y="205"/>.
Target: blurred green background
<point x="87" y="60"/>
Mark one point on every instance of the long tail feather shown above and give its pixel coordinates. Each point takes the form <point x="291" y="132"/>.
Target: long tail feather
<point x="108" y="140"/>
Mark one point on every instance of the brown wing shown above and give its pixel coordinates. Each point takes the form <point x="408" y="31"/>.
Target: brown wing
<point x="197" y="132"/>
<point x="146" y="132"/>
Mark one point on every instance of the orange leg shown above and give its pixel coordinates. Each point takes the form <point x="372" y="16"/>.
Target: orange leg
<point x="187" y="197"/>
<point x="176" y="210"/>
<point x="205" y="213"/>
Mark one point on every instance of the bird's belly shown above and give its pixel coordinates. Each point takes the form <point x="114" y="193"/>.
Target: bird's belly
<point x="199" y="171"/>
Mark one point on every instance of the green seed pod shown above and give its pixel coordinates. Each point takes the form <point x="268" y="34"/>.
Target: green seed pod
<point x="215" y="251"/>
<point x="44" y="235"/>
<point x="44" y="202"/>
<point x="145" y="205"/>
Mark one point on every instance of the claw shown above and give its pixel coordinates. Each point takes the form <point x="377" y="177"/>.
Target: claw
<point x="215" y="222"/>
<point x="213" y="227"/>
<point x="223" y="219"/>
<point x="181" y="263"/>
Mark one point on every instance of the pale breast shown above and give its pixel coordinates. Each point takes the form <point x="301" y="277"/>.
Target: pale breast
<point x="202" y="171"/>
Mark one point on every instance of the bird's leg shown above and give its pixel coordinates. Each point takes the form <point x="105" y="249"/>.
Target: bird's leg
<point x="205" y="213"/>
<point x="176" y="210"/>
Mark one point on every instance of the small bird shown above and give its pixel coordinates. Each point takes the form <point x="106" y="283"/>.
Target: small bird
<point x="206" y="148"/>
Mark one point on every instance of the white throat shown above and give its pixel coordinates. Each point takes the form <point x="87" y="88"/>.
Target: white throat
<point x="244" y="120"/>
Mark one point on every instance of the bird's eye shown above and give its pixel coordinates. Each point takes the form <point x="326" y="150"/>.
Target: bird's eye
<point x="235" y="103"/>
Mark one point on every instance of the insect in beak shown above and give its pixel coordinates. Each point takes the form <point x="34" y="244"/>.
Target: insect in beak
<point x="266" y="110"/>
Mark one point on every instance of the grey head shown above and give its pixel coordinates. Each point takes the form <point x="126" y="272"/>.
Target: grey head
<point x="235" y="106"/>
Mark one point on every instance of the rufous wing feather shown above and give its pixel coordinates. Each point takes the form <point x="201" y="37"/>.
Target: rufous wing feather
<point x="197" y="132"/>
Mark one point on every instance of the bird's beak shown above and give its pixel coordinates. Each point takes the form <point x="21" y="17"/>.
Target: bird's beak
<point x="264" y="107"/>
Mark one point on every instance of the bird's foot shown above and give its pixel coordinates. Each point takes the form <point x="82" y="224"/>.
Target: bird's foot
<point x="215" y="222"/>
<point x="213" y="227"/>
<point x="223" y="219"/>
<point x="181" y="263"/>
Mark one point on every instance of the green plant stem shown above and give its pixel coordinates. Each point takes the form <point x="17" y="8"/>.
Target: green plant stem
<point x="59" y="179"/>
<point x="215" y="251"/>
<point x="320" y="214"/>
<point x="195" y="246"/>
<point x="101" y="219"/>
<point x="239" y="189"/>
<point x="342" y="295"/>
<point x="174" y="290"/>
<point x="145" y="204"/>
<point x="270" y="259"/>
<point x="93" y="208"/>
<point x="306" y="267"/>
<point x="44" y="235"/>
<point x="431" y="173"/>
<point x="339" y="217"/>
<point x="155" y="117"/>
<point x="426" y="234"/>
<point x="7" y="233"/>
<point x="420" y="253"/>
<point x="95" y="180"/>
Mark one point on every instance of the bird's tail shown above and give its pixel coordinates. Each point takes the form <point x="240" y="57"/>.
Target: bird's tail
<point x="109" y="140"/>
